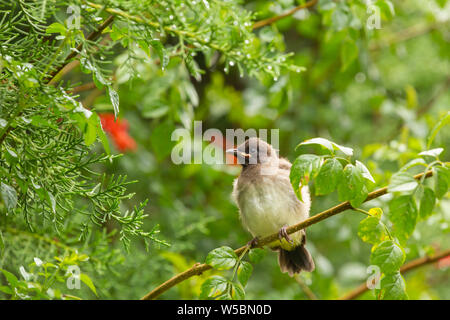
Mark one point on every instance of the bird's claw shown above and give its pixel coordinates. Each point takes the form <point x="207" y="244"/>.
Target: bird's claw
<point x="283" y="234"/>
<point x="253" y="243"/>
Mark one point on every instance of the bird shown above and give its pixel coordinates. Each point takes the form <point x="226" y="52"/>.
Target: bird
<point x="268" y="204"/>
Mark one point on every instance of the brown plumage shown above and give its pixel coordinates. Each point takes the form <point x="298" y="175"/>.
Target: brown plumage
<point x="267" y="203"/>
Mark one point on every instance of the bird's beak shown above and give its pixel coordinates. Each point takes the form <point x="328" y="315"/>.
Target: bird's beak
<point x="237" y="153"/>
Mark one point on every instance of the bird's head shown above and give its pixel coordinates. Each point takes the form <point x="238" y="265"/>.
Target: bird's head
<point x="254" y="151"/>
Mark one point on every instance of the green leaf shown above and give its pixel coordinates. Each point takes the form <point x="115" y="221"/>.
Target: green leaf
<point x="302" y="169"/>
<point x="114" y="97"/>
<point x="386" y="8"/>
<point x="393" y="287"/>
<point x="432" y="153"/>
<point x="349" y="53"/>
<point x="12" y="279"/>
<point x="6" y="290"/>
<point x="365" y="172"/>
<point x="403" y="214"/>
<point x="102" y="135"/>
<point x="256" y="255"/>
<point x="427" y="202"/>
<point x="237" y="291"/>
<point x="87" y="281"/>
<point x="56" y="28"/>
<point x="388" y="256"/>
<point x="244" y="272"/>
<point x="9" y="196"/>
<point x="352" y="186"/>
<point x="402" y="182"/>
<point x="328" y="177"/>
<point x="213" y="287"/>
<point x="371" y="230"/>
<point x="441" y="180"/>
<point x="413" y="163"/>
<point x="327" y="144"/>
<point x="161" y="52"/>
<point x="222" y="258"/>
<point x="438" y="126"/>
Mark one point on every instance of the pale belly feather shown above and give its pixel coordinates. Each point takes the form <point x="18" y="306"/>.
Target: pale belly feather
<point x="270" y="204"/>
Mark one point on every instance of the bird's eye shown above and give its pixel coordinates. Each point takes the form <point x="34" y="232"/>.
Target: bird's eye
<point x="252" y="150"/>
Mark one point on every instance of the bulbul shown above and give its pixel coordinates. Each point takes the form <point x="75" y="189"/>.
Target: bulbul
<point x="267" y="203"/>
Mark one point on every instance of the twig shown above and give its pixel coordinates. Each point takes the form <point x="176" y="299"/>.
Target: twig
<point x="198" y="268"/>
<point x="309" y="293"/>
<point x="271" y="20"/>
<point x="91" y="37"/>
<point x="407" y="267"/>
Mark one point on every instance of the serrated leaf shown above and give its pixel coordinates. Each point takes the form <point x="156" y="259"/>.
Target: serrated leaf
<point x="9" y="196"/>
<point x="393" y="287"/>
<point x="427" y="202"/>
<point x="371" y="230"/>
<point x="256" y="255"/>
<point x="213" y="287"/>
<point x="222" y="258"/>
<point x="388" y="255"/>
<point x="403" y="214"/>
<point x="352" y="187"/>
<point x="402" y="182"/>
<point x="328" y="177"/>
<point x="302" y="169"/>
<point x="87" y="281"/>
<point x="244" y="272"/>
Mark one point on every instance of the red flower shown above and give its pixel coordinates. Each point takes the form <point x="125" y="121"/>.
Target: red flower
<point x="443" y="263"/>
<point x="118" y="130"/>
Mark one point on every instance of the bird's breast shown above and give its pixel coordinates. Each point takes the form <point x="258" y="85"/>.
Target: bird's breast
<point x="269" y="203"/>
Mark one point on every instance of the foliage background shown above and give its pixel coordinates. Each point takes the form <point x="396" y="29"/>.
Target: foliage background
<point x="377" y="91"/>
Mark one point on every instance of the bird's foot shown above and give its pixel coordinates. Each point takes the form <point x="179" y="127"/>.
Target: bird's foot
<point x="253" y="243"/>
<point x="283" y="234"/>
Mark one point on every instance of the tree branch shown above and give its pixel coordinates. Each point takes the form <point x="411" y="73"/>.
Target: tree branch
<point x="271" y="20"/>
<point x="199" y="268"/>
<point x="407" y="267"/>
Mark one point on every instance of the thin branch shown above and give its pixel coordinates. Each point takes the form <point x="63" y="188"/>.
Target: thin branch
<point x="309" y="293"/>
<point x="420" y="262"/>
<point x="199" y="268"/>
<point x="271" y="20"/>
<point x="91" y="37"/>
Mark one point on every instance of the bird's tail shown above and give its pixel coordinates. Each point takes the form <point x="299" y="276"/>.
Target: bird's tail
<point x="295" y="260"/>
